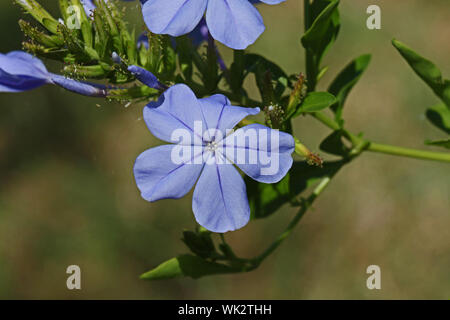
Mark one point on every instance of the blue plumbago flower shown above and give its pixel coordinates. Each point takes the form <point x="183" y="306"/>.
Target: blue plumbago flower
<point x="20" y="71"/>
<point x="235" y="23"/>
<point x="207" y="157"/>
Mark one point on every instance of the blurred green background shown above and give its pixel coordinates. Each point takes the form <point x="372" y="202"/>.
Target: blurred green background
<point x="67" y="194"/>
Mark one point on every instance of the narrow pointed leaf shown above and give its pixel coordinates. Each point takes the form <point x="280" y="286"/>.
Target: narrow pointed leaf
<point x="186" y="266"/>
<point x="40" y="14"/>
<point x="346" y="80"/>
<point x="439" y="115"/>
<point x="315" y="101"/>
<point x="439" y="143"/>
<point x="323" y="31"/>
<point x="259" y="66"/>
<point x="426" y="70"/>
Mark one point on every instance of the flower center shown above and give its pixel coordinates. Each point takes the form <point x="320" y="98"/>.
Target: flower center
<point x="212" y="146"/>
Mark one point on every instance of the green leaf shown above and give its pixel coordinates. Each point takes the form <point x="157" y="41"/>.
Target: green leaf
<point x="346" y="80"/>
<point x="323" y="31"/>
<point x="315" y="101"/>
<point x="49" y="41"/>
<point x="168" y="60"/>
<point x="51" y="25"/>
<point x="334" y="144"/>
<point x="64" y="9"/>
<point x="446" y="92"/>
<point x="92" y="53"/>
<point x="101" y="34"/>
<point x="131" y="46"/>
<point x="439" y="115"/>
<point x="200" y="243"/>
<point x="265" y="199"/>
<point x="237" y="75"/>
<point x="440" y="143"/>
<point x="426" y="70"/>
<point x="211" y="78"/>
<point x="40" y="14"/>
<point x="260" y="66"/>
<point x="85" y="23"/>
<point x="184" y="50"/>
<point x="187" y="265"/>
<point x="107" y="13"/>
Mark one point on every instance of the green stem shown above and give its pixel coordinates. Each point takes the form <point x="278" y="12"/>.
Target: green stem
<point x="407" y="152"/>
<point x="383" y="148"/>
<point x="330" y="123"/>
<point x="335" y="126"/>
<point x="307" y="14"/>
<point x="311" y="68"/>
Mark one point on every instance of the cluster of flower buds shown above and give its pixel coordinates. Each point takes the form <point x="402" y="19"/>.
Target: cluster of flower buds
<point x="93" y="42"/>
<point x="274" y="115"/>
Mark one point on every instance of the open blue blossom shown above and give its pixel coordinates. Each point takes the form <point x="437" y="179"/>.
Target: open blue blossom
<point x="235" y="23"/>
<point x="20" y="71"/>
<point x="220" y="201"/>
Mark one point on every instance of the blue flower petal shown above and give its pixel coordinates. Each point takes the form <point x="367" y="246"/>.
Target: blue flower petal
<point x="220" y="114"/>
<point x="20" y="71"/>
<point x="13" y="83"/>
<point x="268" y="1"/>
<point x="22" y="63"/>
<point x="158" y="177"/>
<point x="265" y="155"/>
<point x="235" y="23"/>
<point x="178" y="108"/>
<point x="220" y="201"/>
<point x="200" y="33"/>
<point x="175" y="18"/>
